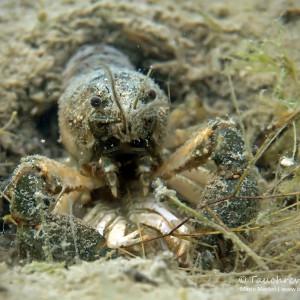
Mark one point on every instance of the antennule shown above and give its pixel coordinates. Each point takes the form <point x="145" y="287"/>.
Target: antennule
<point x="141" y="88"/>
<point x="115" y="94"/>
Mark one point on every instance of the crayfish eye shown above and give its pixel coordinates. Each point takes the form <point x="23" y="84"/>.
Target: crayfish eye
<point x="95" y="101"/>
<point x="151" y="94"/>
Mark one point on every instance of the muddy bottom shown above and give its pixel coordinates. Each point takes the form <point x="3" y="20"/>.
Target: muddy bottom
<point x="193" y="49"/>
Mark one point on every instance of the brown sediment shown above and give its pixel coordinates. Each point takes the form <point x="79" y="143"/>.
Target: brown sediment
<point x="190" y="46"/>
